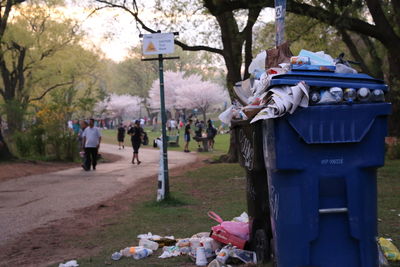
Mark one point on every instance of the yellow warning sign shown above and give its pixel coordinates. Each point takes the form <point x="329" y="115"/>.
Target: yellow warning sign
<point x="151" y="47"/>
<point x="158" y="43"/>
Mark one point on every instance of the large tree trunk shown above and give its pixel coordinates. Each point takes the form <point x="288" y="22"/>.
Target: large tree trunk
<point x="233" y="40"/>
<point x="394" y="95"/>
<point x="14" y="112"/>
<point x="5" y="153"/>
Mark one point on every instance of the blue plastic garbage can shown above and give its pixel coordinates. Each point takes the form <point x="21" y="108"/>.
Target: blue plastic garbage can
<point x="322" y="163"/>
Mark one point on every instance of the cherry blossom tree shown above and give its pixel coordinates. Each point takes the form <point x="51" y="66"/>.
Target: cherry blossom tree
<point x="172" y="80"/>
<point x="121" y="107"/>
<point x="202" y="95"/>
<point x="187" y="92"/>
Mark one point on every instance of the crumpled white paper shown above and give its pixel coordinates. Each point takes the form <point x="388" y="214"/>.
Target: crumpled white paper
<point x="282" y="100"/>
<point x="72" y="263"/>
<point x="244" y="217"/>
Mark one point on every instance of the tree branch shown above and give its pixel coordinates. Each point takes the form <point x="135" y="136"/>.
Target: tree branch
<point x="316" y="12"/>
<point x="150" y="30"/>
<point x="396" y="9"/>
<point x="354" y="51"/>
<point x="248" y="32"/>
<point x="48" y="90"/>
<point x="377" y="61"/>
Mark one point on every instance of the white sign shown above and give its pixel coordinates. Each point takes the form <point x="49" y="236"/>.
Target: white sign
<point x="158" y="43"/>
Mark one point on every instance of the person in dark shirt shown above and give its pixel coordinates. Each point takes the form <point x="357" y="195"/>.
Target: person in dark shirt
<point x="121" y="136"/>
<point x="211" y="133"/>
<point x="136" y="133"/>
<point x="187" y="136"/>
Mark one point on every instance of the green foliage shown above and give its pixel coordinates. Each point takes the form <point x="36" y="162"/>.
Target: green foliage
<point x="36" y="143"/>
<point x="22" y="143"/>
<point x="42" y="53"/>
<point x="30" y="143"/>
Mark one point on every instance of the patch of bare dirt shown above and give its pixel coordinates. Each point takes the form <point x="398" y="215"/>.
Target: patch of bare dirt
<point x="51" y="244"/>
<point x="15" y="169"/>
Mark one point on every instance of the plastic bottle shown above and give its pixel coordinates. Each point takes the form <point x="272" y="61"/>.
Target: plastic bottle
<point x="378" y="95"/>
<point x="363" y="94"/>
<point x="129" y="251"/>
<point x="148" y="244"/>
<point x="116" y="256"/>
<point x="349" y="95"/>
<point x="315" y="97"/>
<point x="337" y="94"/>
<point x="201" y="259"/>
<point x="142" y="253"/>
<point x="223" y="254"/>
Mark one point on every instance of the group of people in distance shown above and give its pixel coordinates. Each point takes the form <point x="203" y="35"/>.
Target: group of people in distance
<point x="210" y="133"/>
<point x="90" y="139"/>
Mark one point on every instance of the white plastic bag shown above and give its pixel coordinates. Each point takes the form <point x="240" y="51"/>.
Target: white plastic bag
<point x="72" y="263"/>
<point x="258" y="62"/>
<point x="226" y="116"/>
<point x="341" y="68"/>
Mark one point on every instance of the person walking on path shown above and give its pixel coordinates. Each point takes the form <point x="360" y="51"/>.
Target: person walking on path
<point x="211" y="133"/>
<point x="121" y="136"/>
<point x="136" y="132"/>
<point x="91" y="141"/>
<point x="186" y="136"/>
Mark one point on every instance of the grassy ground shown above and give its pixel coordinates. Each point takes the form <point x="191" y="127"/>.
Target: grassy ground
<point x="389" y="201"/>
<point x="218" y="187"/>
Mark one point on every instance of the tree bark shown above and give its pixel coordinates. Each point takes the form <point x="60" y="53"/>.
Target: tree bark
<point x="5" y="153"/>
<point x="376" y="60"/>
<point x="354" y="51"/>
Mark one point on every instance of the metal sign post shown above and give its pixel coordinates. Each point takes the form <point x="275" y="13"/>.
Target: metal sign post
<point x="159" y="44"/>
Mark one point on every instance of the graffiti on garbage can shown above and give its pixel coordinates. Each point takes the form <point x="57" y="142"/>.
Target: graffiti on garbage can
<point x="274" y="202"/>
<point x="251" y="191"/>
<point x="247" y="150"/>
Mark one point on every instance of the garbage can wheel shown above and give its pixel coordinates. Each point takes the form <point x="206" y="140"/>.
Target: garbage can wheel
<point x="262" y="246"/>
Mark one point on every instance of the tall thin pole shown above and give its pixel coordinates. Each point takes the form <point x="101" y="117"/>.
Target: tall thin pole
<point x="163" y="125"/>
<point x="280" y="12"/>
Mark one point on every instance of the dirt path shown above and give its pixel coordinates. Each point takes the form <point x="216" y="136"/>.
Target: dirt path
<point x="30" y="202"/>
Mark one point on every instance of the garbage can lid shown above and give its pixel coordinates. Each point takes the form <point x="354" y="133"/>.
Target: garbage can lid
<point x="329" y="79"/>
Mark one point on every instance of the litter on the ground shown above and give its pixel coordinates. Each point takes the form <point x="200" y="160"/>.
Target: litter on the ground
<point x="146" y="243"/>
<point x="149" y="235"/>
<point x="116" y="256"/>
<point x="244" y="217"/>
<point x="202" y="248"/>
<point x="389" y="249"/>
<point x="72" y="263"/>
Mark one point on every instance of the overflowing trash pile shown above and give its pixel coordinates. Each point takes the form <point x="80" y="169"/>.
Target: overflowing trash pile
<point x="258" y="98"/>
<point x="205" y="249"/>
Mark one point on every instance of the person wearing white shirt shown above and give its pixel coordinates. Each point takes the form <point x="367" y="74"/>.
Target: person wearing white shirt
<point x="173" y="125"/>
<point x="91" y="141"/>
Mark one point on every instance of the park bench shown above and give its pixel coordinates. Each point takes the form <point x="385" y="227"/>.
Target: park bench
<point x="173" y="140"/>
